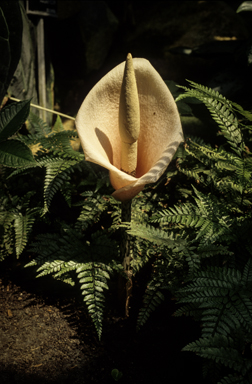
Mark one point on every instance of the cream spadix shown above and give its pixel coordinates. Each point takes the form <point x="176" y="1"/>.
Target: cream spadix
<point x="160" y="133"/>
<point x="129" y="118"/>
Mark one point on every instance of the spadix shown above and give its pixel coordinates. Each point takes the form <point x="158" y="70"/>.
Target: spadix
<point x="129" y="118"/>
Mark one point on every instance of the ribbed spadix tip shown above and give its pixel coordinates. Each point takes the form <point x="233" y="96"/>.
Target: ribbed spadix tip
<point x="129" y="118"/>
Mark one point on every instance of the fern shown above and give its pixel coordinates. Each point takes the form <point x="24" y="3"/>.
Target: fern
<point x="234" y="379"/>
<point x="92" y="209"/>
<point x="159" y="282"/>
<point x="23" y="226"/>
<point x="37" y="126"/>
<point x="205" y="238"/>
<point x="57" y="256"/>
<point x="57" y="173"/>
<point x="221" y="110"/>
<point x="152" y="298"/>
<point x="221" y="349"/>
<point x="192" y="229"/>
<point x="224" y="285"/>
<point x="57" y="156"/>
<point x="152" y="234"/>
<point x="93" y="276"/>
<point x="17" y="221"/>
<point x="208" y="217"/>
<point x="221" y="299"/>
<point x="8" y="237"/>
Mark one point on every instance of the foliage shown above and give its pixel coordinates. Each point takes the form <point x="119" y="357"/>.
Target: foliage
<point x="116" y="374"/>
<point x="71" y="252"/>
<point x="191" y="230"/>
<point x="245" y="6"/>
<point x="16" y="222"/>
<point x="221" y="298"/>
<point x="16" y="217"/>
<point x="207" y="231"/>
<point x="14" y="153"/>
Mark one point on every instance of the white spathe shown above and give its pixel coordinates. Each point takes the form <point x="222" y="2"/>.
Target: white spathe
<point x="97" y="124"/>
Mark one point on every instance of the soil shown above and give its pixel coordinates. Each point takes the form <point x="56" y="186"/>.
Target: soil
<point x="46" y="336"/>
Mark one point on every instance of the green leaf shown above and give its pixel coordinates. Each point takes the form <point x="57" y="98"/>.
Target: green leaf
<point x="12" y="118"/>
<point x="116" y="374"/>
<point x="245" y="6"/>
<point x="14" y="153"/>
<point x="22" y="227"/>
<point x="58" y="126"/>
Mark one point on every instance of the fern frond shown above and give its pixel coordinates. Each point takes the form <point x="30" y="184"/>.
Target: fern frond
<point x="246" y="279"/>
<point x="240" y="110"/>
<point x="211" y="220"/>
<point x="93" y="278"/>
<point x="152" y="299"/>
<point x="210" y="250"/>
<point x="234" y="379"/>
<point x="220" y="349"/>
<point x="57" y="173"/>
<point x="142" y="252"/>
<point x="38" y="126"/>
<point x="224" y="300"/>
<point x="221" y="111"/>
<point x="8" y="242"/>
<point x="23" y="226"/>
<point x="93" y="207"/>
<point x="51" y="267"/>
<point x="192" y="258"/>
<point x="183" y="215"/>
<point x="71" y="253"/>
<point x="154" y="235"/>
<point x="60" y="144"/>
<point x="217" y="221"/>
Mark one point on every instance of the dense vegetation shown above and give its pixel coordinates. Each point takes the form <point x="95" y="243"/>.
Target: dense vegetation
<point x="192" y="228"/>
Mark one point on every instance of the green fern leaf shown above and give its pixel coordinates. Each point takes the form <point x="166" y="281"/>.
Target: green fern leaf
<point x="247" y="274"/>
<point x="154" y="235"/>
<point x="220" y="349"/>
<point x="152" y="298"/>
<point x="93" y="279"/>
<point x="38" y="126"/>
<point x="8" y="242"/>
<point x="23" y="226"/>
<point x="222" y="112"/>
<point x="60" y="255"/>
<point x="57" y="173"/>
<point x="93" y="207"/>
<point x="223" y="299"/>
<point x="234" y="379"/>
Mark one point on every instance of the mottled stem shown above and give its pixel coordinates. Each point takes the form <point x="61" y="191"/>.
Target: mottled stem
<point x="126" y="287"/>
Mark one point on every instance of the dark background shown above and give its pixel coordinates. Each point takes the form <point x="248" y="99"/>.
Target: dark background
<point x="90" y="37"/>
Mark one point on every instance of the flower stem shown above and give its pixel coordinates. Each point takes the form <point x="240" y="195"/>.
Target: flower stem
<point x="126" y="288"/>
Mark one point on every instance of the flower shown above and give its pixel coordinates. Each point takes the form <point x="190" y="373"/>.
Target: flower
<point x="160" y="134"/>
